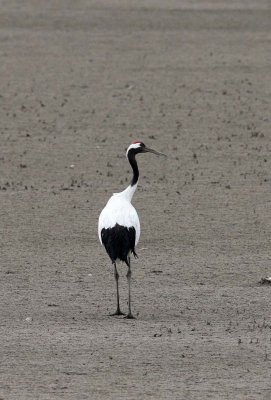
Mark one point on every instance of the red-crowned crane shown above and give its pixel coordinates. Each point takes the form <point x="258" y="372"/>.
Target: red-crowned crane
<point x="119" y="226"/>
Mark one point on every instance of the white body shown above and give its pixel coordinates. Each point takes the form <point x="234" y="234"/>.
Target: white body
<point x="119" y="210"/>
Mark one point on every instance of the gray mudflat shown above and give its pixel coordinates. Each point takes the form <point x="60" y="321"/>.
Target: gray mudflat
<point x="79" y="81"/>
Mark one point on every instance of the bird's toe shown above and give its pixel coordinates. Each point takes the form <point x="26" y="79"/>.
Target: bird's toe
<point x="116" y="313"/>
<point x="129" y="316"/>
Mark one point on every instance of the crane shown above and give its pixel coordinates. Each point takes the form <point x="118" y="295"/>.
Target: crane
<point x="119" y="226"/>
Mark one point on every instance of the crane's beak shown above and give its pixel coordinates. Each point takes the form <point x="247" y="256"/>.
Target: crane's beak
<point x="148" y="150"/>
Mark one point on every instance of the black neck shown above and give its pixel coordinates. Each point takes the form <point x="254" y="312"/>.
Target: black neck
<point x="132" y="161"/>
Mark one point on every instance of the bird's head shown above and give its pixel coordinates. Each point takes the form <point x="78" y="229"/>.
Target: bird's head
<point x="139" y="147"/>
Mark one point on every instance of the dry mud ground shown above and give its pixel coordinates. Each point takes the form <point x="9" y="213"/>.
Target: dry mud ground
<point x="79" y="81"/>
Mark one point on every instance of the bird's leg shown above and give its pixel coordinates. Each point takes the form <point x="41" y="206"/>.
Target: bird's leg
<point x="116" y="274"/>
<point x="129" y="275"/>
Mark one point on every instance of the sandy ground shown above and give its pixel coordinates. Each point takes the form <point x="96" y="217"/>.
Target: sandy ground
<point x="79" y="81"/>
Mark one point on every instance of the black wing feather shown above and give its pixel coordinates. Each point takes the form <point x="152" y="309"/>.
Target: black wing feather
<point x="119" y="241"/>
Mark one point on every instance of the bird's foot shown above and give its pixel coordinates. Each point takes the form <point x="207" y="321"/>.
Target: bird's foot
<point x="129" y="316"/>
<point x="118" y="312"/>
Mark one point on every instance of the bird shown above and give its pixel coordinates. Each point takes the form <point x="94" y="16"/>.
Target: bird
<point x="119" y="225"/>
